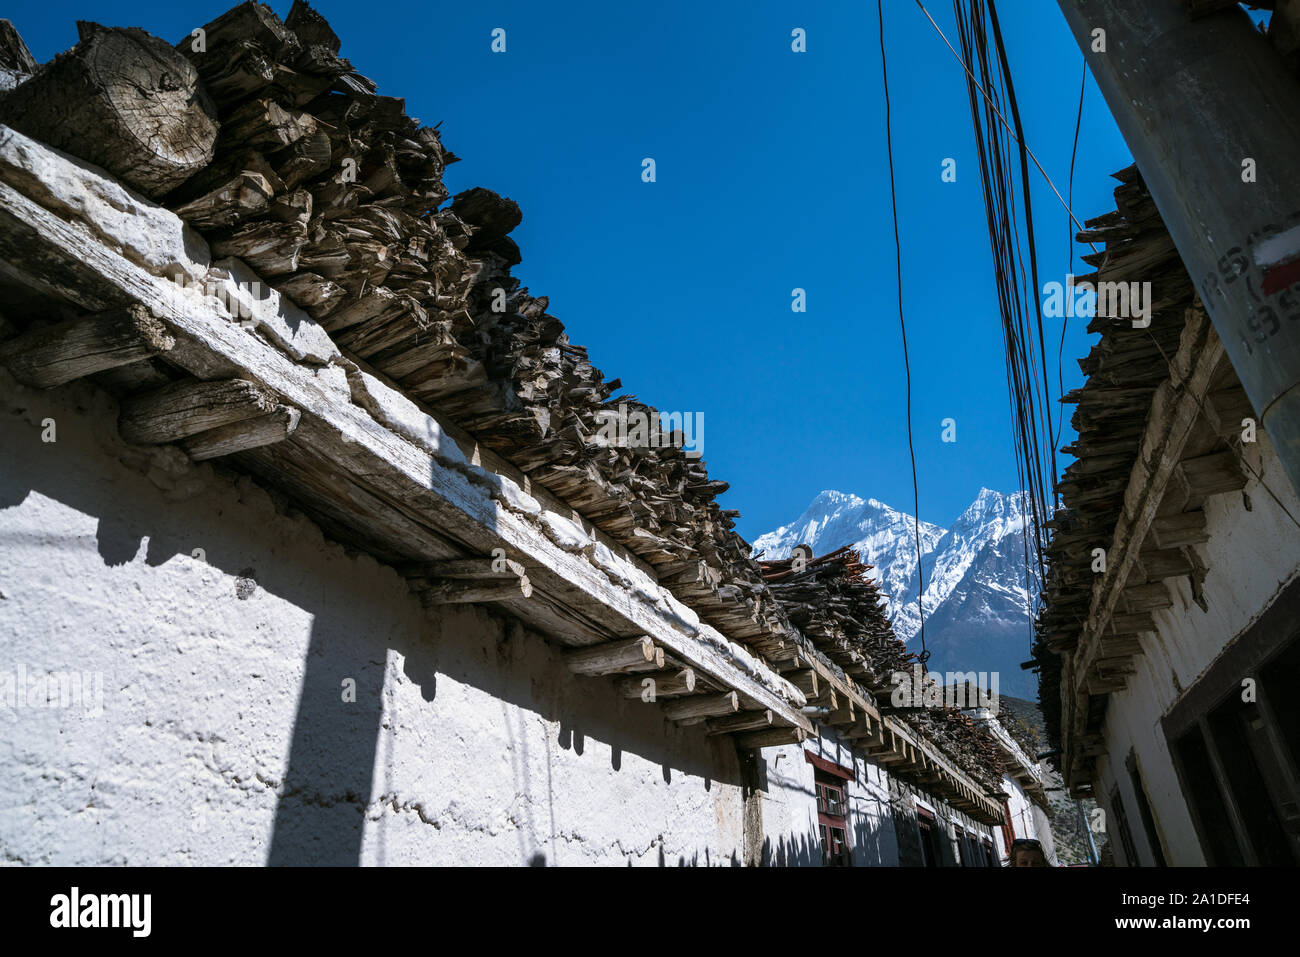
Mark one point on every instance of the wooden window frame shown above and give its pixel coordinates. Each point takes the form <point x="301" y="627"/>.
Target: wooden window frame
<point x="1120" y="817"/>
<point x="833" y="829"/>
<point x="1008" y="827"/>
<point x="927" y="826"/>
<point x="1146" y="816"/>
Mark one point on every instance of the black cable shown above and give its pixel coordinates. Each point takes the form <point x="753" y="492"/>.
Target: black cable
<point x="1045" y="398"/>
<point x="1065" y="322"/>
<point x="992" y="96"/>
<point x="924" y="656"/>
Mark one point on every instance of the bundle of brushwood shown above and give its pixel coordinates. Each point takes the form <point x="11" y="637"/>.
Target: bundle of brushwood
<point x="839" y="608"/>
<point x="334" y="196"/>
<point x="331" y="192"/>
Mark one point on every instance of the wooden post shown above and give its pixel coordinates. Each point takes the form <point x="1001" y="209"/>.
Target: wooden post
<point x="466" y="593"/>
<point x="771" y="738"/>
<point x="806" y="681"/>
<point x="743" y="721"/>
<point x="1230" y="219"/>
<point x="656" y="663"/>
<point x="842" y="716"/>
<point x="468" y="568"/>
<point x="666" y="684"/>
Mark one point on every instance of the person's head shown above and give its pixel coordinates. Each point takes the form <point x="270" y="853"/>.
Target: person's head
<point x="1027" y="852"/>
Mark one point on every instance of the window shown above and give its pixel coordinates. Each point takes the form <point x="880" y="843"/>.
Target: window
<point x="1144" y="810"/>
<point x="832" y="820"/>
<point x="1008" y="828"/>
<point x="1236" y="747"/>
<point x="1125" y="835"/>
<point x="1206" y="801"/>
<point x="830" y="800"/>
<point x="968" y="850"/>
<point x="990" y="859"/>
<point x="926" y="824"/>
<point x="831" y="783"/>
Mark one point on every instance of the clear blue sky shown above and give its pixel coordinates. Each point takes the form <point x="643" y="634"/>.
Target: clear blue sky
<point x="771" y="175"/>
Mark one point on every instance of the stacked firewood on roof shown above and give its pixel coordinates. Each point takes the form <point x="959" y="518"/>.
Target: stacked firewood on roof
<point x="839" y="607"/>
<point x="834" y="602"/>
<point x="257" y="133"/>
<point x="1123" y="371"/>
<point x="964" y="740"/>
<point x="331" y="192"/>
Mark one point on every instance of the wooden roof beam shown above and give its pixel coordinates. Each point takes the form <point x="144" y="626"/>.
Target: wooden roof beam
<point x="365" y="457"/>
<point x="772" y="738"/>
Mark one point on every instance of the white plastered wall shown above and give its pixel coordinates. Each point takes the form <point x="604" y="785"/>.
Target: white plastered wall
<point x="224" y="736"/>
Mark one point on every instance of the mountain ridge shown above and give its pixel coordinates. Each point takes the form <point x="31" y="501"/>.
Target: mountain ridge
<point x="975" y="596"/>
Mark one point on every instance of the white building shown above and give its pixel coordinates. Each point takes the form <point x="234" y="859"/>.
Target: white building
<point x="262" y="682"/>
<point x="1168" y="646"/>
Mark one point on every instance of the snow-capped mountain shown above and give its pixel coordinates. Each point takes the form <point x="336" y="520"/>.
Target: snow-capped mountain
<point x="975" y="599"/>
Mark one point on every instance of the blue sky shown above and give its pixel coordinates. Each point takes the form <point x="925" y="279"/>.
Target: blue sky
<point x="771" y="175"/>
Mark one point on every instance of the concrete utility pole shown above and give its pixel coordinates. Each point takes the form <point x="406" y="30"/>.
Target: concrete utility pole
<point x="1213" y="119"/>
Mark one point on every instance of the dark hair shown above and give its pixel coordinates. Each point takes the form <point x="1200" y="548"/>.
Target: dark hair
<point x="1025" y="844"/>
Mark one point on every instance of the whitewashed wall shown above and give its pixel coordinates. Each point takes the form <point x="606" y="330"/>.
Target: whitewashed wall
<point x="1251" y="555"/>
<point x="224" y="737"/>
<point x="789" y="803"/>
<point x="947" y="819"/>
<point x="881" y="818"/>
<point x="872" y="841"/>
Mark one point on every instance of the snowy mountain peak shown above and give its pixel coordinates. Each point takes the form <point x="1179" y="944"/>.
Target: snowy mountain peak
<point x="975" y="594"/>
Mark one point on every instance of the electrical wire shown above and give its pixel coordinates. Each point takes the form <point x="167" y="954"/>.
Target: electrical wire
<point x="1005" y="184"/>
<point x="1065" y="321"/>
<point x="924" y="656"/>
<point x="1001" y="118"/>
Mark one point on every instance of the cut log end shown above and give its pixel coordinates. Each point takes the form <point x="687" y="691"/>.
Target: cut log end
<point x="124" y="100"/>
<point x="615" y="656"/>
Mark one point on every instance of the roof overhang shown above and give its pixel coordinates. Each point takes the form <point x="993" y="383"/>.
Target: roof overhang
<point x="374" y="467"/>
